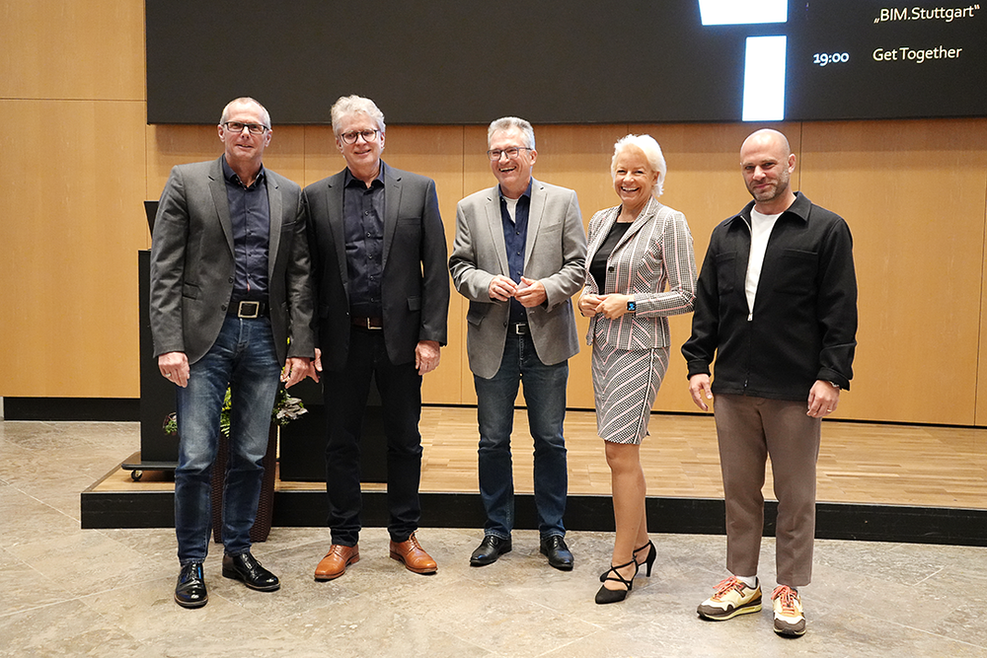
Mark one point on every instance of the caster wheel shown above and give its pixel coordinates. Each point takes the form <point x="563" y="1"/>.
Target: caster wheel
<point x="136" y="475"/>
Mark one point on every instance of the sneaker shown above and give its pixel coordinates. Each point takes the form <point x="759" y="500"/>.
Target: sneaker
<point x="789" y="620"/>
<point x="732" y="598"/>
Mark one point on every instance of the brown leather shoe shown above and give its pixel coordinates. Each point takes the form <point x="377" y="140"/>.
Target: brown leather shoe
<point x="334" y="564"/>
<point x="413" y="555"/>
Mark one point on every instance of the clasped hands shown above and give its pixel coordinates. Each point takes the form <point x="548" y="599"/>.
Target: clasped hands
<point x="610" y="306"/>
<point x="529" y="292"/>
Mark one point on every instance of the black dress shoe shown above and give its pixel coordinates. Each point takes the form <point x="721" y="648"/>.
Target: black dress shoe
<point x="491" y="548"/>
<point x="190" y="592"/>
<point x="244" y="567"/>
<point x="559" y="555"/>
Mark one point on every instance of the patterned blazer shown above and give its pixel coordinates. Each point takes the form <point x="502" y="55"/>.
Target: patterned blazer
<point x="654" y="254"/>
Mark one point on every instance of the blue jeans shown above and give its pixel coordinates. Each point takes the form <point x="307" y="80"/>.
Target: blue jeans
<point x="243" y="358"/>
<point x="544" y="395"/>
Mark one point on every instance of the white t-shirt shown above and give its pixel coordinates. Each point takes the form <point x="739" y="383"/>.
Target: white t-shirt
<point x="761" y="226"/>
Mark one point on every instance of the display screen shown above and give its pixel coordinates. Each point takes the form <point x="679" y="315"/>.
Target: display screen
<point x="577" y="61"/>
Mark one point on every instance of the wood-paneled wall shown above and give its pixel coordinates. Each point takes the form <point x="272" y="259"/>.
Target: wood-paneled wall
<point x="77" y="160"/>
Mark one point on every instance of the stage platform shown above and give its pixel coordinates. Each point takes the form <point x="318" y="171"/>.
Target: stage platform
<point x="878" y="482"/>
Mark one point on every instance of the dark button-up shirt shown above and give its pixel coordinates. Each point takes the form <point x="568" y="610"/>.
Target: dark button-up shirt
<point x="250" y="213"/>
<point x="515" y="238"/>
<point x="363" y="221"/>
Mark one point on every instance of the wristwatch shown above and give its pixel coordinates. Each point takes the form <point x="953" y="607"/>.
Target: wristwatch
<point x="631" y="306"/>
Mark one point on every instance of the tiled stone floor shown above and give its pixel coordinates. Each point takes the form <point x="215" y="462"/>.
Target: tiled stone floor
<point x="73" y="592"/>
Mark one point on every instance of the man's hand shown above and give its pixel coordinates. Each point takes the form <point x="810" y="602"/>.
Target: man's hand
<point x="295" y="370"/>
<point x="530" y="293"/>
<point x="699" y="388"/>
<point x="174" y="367"/>
<point x="501" y="288"/>
<point x="823" y="398"/>
<point x="427" y="354"/>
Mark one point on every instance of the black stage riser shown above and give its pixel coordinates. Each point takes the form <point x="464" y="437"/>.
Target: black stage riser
<point x="919" y="525"/>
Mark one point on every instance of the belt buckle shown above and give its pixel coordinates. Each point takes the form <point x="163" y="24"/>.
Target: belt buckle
<point x="243" y="312"/>
<point x="370" y="325"/>
<point x="521" y="328"/>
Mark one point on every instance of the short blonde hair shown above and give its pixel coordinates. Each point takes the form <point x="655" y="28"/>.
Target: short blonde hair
<point x="652" y="152"/>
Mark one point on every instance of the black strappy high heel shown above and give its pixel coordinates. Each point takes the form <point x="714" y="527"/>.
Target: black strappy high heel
<point x="648" y="562"/>
<point x="613" y="595"/>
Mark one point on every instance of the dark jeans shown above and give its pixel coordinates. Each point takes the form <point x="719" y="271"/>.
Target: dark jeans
<point x="544" y="395"/>
<point x="401" y="404"/>
<point x="243" y="358"/>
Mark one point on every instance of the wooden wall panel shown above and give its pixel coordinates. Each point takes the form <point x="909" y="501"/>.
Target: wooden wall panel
<point x="72" y="50"/>
<point x="913" y="193"/>
<point x="68" y="247"/>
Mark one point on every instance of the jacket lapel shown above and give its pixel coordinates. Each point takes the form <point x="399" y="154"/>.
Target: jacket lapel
<point x="334" y="206"/>
<point x="275" y="204"/>
<point x="392" y="202"/>
<point x="536" y="210"/>
<point x="217" y="187"/>
<point x="495" y="224"/>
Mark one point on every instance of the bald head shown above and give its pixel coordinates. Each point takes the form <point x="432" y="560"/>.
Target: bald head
<point x="770" y="138"/>
<point x="767" y="162"/>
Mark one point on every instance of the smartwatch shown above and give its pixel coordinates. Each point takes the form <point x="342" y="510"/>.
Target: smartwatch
<point x="631" y="306"/>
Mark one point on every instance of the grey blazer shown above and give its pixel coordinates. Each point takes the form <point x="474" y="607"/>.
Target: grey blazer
<point x="192" y="264"/>
<point x="555" y="254"/>
<point x="415" y="286"/>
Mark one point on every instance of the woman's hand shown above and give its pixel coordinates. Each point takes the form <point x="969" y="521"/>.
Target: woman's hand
<point x="613" y="306"/>
<point x="589" y="304"/>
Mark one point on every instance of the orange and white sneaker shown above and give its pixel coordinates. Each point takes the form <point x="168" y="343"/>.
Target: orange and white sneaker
<point x="789" y="620"/>
<point x="732" y="598"/>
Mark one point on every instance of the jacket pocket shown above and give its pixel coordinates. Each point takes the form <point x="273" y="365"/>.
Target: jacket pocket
<point x="190" y="290"/>
<point x="414" y="303"/>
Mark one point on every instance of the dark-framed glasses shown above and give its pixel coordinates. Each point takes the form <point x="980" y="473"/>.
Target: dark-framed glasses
<point x="252" y="128"/>
<point x="353" y="135"/>
<point x="512" y="152"/>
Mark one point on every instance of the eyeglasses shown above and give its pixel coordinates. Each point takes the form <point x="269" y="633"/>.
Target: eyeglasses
<point x="353" y="135"/>
<point x="237" y="127"/>
<point x="511" y="152"/>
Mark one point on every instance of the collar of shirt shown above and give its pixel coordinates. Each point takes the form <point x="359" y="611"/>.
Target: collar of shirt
<point x="232" y="177"/>
<point x="349" y="180"/>
<point x="799" y="208"/>
<point x="526" y="193"/>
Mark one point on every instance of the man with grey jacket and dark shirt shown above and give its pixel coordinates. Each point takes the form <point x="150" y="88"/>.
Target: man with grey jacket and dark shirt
<point x="777" y="305"/>
<point x="518" y="257"/>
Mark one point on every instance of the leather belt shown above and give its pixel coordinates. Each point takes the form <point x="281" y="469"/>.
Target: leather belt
<point x="367" y="323"/>
<point x="249" y="310"/>
<point x="519" y="328"/>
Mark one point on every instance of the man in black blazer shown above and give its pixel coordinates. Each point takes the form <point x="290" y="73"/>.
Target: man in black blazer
<point x="231" y="300"/>
<point x="378" y="252"/>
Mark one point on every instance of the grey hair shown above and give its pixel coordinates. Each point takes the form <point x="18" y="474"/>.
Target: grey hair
<point x="652" y="152"/>
<point x="347" y="106"/>
<point x="507" y="123"/>
<point x="245" y="100"/>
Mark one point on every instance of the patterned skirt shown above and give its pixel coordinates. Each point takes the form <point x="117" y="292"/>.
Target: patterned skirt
<point x="625" y="383"/>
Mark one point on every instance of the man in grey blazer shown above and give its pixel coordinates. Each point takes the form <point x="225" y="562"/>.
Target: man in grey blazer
<point x="231" y="300"/>
<point x="518" y="257"/>
<point x="379" y="253"/>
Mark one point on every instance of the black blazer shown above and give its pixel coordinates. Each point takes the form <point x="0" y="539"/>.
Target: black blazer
<point x="415" y="286"/>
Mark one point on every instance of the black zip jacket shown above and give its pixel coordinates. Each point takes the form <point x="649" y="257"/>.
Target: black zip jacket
<point x="805" y="312"/>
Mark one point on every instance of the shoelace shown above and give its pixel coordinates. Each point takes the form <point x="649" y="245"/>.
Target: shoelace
<point x="725" y="586"/>
<point x="788" y="597"/>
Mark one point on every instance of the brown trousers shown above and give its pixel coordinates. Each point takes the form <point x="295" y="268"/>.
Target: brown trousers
<point x="748" y="431"/>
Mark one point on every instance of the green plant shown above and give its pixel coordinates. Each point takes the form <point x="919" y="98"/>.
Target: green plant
<point x="286" y="409"/>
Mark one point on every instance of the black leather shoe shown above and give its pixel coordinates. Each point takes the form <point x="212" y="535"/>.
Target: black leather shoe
<point x="244" y="567"/>
<point x="190" y="592"/>
<point x="491" y="548"/>
<point x="559" y="555"/>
